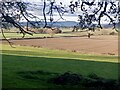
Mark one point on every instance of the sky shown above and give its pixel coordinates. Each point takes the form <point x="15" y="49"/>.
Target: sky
<point x="67" y="17"/>
<point x="66" y="1"/>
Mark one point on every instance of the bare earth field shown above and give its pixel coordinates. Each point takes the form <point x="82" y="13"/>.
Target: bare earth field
<point x="104" y="44"/>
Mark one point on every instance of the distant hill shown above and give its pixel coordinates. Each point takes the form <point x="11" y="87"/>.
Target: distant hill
<point x="110" y="26"/>
<point x="55" y="24"/>
<point x="69" y="24"/>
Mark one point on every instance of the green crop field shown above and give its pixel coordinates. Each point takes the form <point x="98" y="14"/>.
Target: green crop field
<point x="12" y="33"/>
<point x="21" y="65"/>
<point x="15" y="35"/>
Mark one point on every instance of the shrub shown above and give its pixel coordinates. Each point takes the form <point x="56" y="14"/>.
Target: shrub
<point x="94" y="76"/>
<point x="68" y="79"/>
<point x="91" y="81"/>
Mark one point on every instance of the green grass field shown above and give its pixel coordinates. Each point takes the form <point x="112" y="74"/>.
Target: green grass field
<point x="15" y="35"/>
<point x="22" y="64"/>
<point x="66" y="32"/>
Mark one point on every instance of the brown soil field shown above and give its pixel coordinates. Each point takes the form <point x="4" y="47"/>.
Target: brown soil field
<point x="103" y="44"/>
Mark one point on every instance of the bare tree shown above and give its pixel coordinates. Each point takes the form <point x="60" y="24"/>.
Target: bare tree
<point x="102" y="8"/>
<point x="110" y="9"/>
<point x="11" y="13"/>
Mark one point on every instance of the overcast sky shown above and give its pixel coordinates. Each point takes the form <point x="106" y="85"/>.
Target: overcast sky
<point x="65" y="2"/>
<point x="48" y="0"/>
<point x="67" y="18"/>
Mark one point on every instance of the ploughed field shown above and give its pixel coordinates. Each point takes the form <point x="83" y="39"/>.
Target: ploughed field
<point x="100" y="45"/>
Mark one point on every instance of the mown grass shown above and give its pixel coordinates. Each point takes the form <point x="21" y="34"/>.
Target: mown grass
<point x="44" y="52"/>
<point x="53" y="62"/>
<point x="18" y="35"/>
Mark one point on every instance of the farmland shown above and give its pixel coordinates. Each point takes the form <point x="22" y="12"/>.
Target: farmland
<point x="56" y="56"/>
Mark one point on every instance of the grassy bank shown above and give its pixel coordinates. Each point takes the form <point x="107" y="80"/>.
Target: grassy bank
<point x="28" y="59"/>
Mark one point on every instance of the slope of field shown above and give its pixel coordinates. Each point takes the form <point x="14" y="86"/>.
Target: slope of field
<point x="100" y="45"/>
<point x="29" y="59"/>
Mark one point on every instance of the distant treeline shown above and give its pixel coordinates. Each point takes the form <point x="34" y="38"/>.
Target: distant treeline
<point x="63" y="24"/>
<point x="68" y="24"/>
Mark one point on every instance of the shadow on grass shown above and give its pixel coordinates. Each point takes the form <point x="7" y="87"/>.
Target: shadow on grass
<point x="36" y="75"/>
<point x="37" y="70"/>
<point x="72" y="80"/>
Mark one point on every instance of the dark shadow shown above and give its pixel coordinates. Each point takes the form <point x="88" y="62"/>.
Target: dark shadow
<point x="42" y="69"/>
<point x="36" y="75"/>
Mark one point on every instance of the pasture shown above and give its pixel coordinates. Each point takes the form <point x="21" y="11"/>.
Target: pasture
<point x="18" y="62"/>
<point x="33" y="62"/>
<point x="66" y="32"/>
